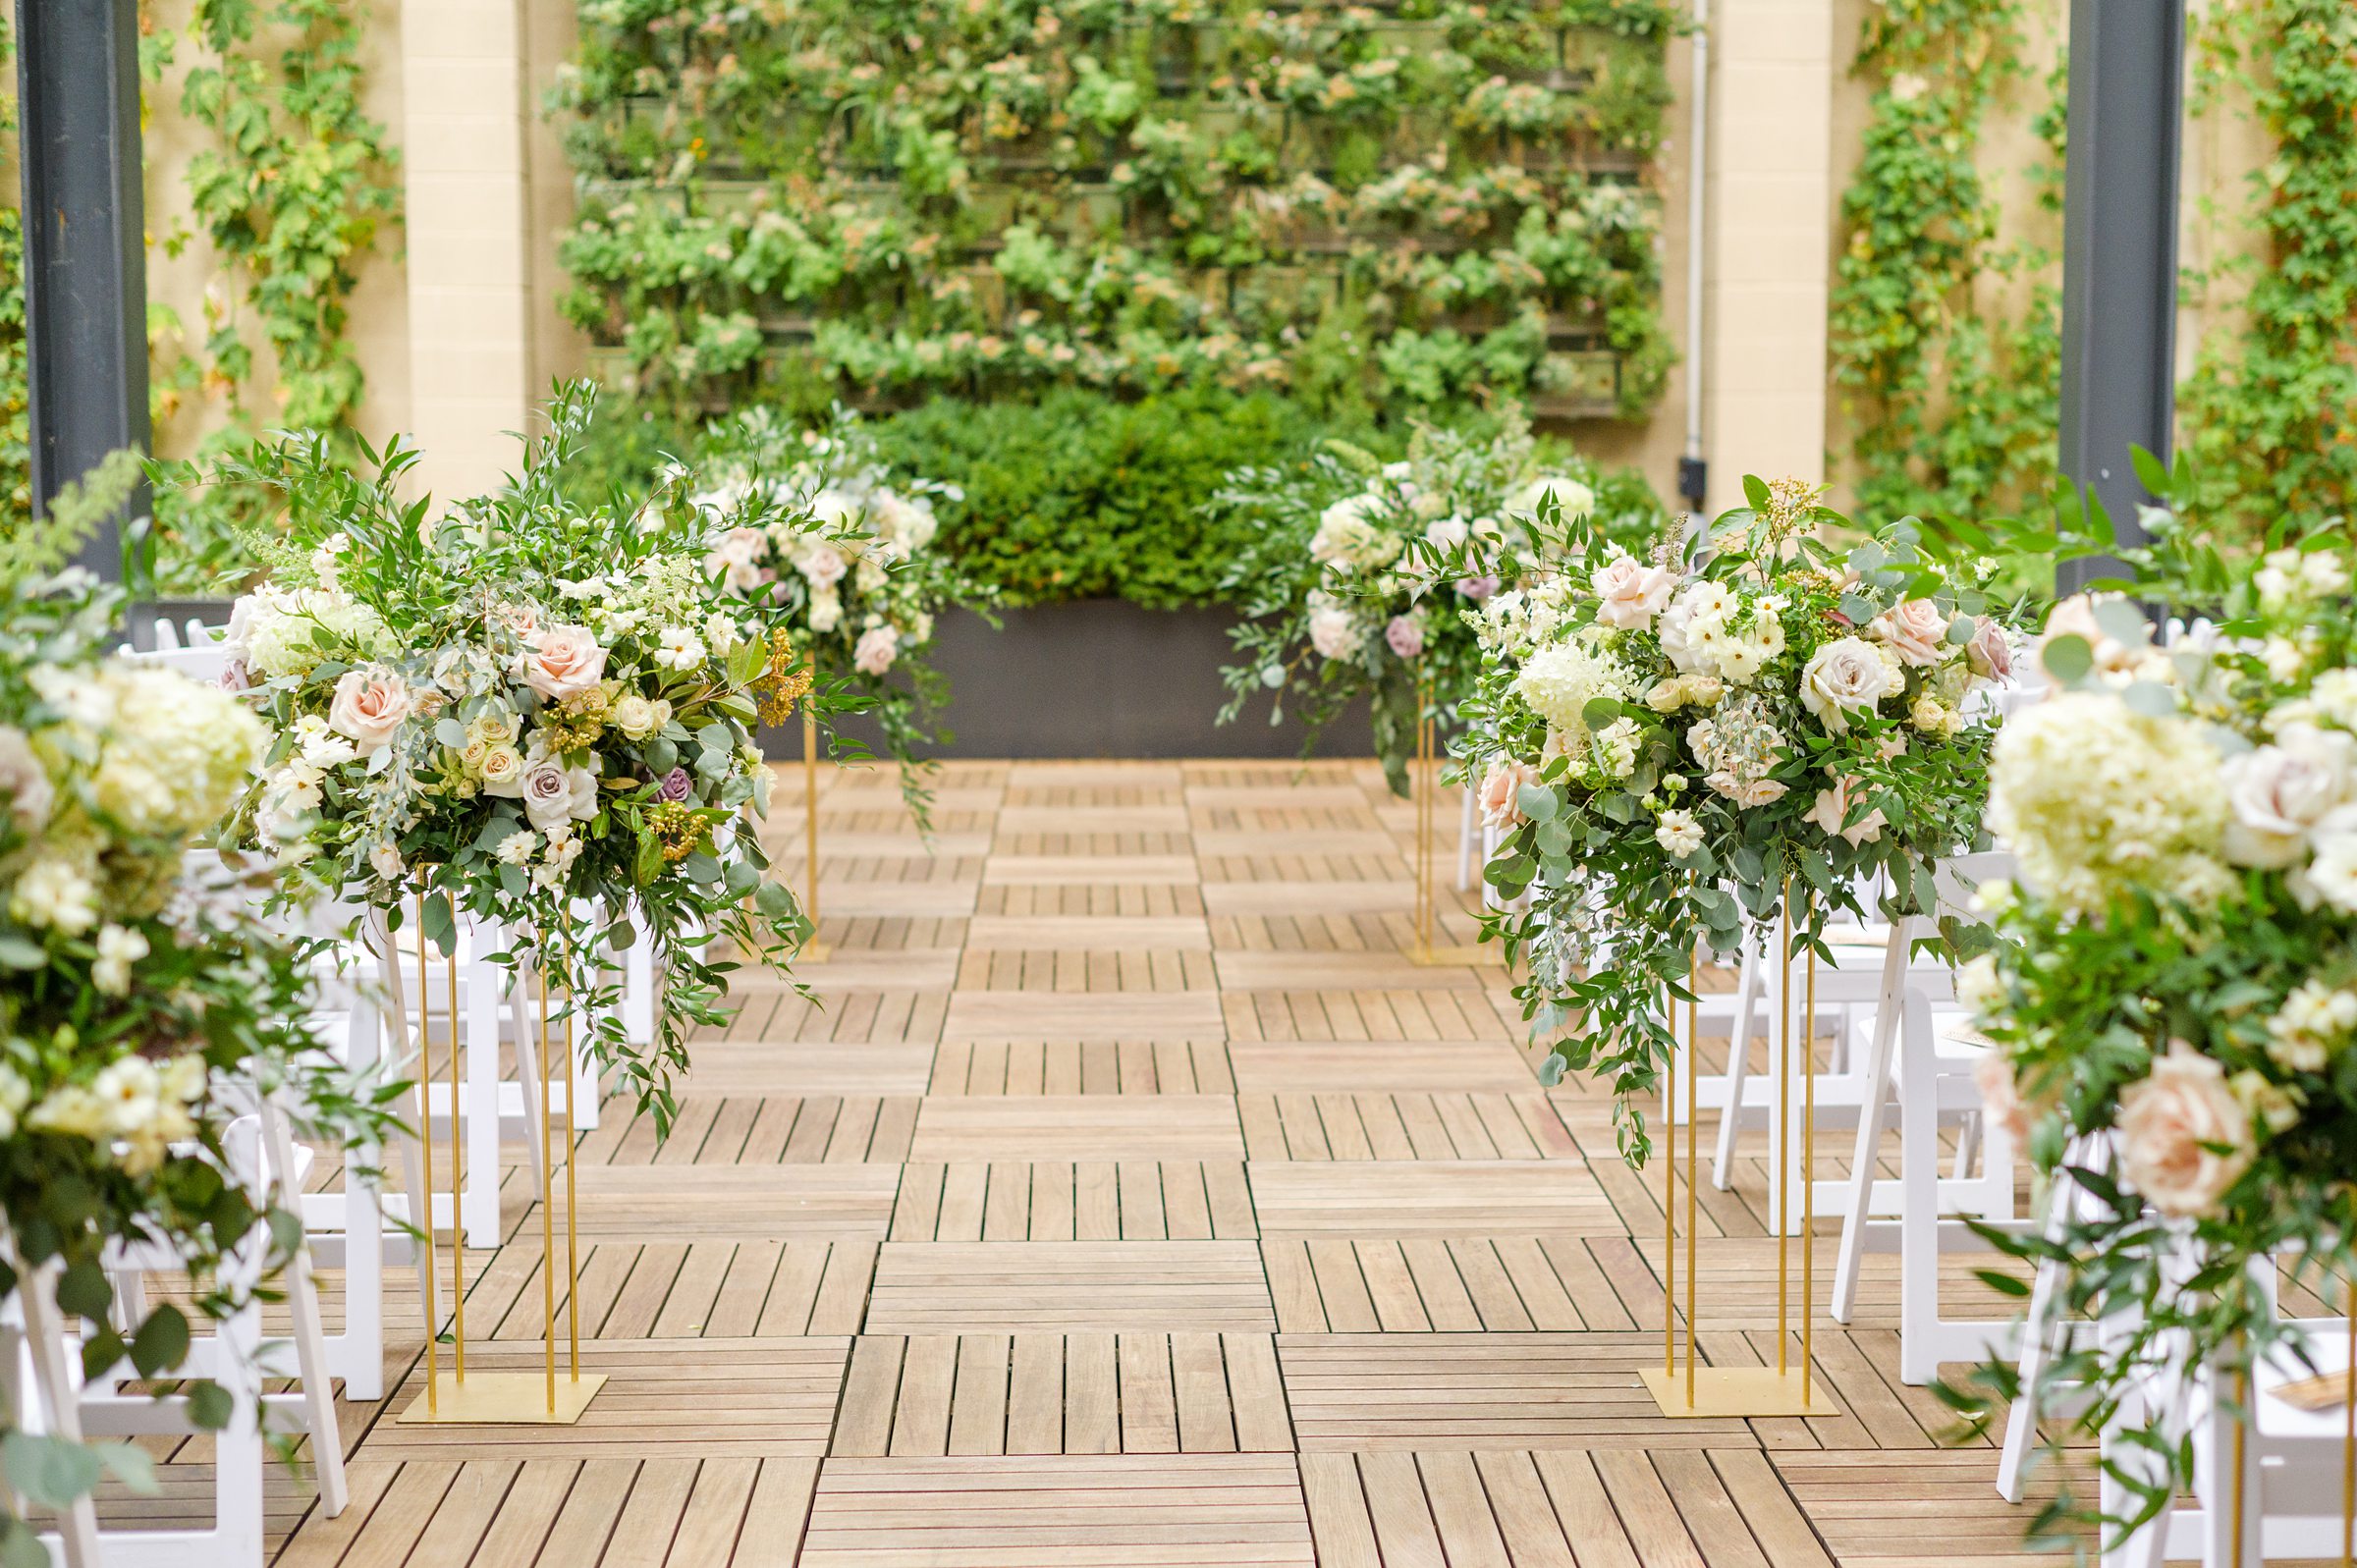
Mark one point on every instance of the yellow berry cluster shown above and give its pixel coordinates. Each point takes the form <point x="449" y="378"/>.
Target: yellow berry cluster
<point x="781" y="685"/>
<point x="677" y="829"/>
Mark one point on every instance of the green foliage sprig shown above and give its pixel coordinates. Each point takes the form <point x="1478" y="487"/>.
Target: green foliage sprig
<point x="1404" y="210"/>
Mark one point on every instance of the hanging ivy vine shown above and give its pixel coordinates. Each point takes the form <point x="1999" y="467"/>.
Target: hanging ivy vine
<point x="1944" y="328"/>
<point x="2270" y="413"/>
<point x="1400" y="208"/>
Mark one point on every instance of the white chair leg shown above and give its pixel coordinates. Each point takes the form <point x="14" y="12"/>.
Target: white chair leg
<point x="2036" y="1332"/>
<point x="524" y="1005"/>
<point x="1864" y="1158"/>
<point x="422" y="1215"/>
<point x="55" y="1391"/>
<point x="310" y="1336"/>
<point x="1738" y="1069"/>
<point x="1466" y="822"/>
<point x="1918" y="1209"/>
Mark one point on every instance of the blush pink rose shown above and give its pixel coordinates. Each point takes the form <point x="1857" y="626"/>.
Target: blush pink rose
<point x="563" y="661"/>
<point x="1629" y="593"/>
<point x="822" y="564"/>
<point x="1914" y="630"/>
<point x="368" y="708"/>
<point x="1405" y="636"/>
<point x="2185" y="1139"/>
<point x="1989" y="651"/>
<point x="2001" y="1095"/>
<point x="1477" y="588"/>
<point x="738" y="554"/>
<point x="875" y="650"/>
<point x="1500" y="792"/>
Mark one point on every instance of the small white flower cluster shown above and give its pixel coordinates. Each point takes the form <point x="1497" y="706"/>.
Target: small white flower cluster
<point x="2316" y="1023"/>
<point x="134" y="1108"/>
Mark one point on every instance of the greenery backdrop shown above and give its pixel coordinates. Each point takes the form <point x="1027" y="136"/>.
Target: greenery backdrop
<point x="1377" y="209"/>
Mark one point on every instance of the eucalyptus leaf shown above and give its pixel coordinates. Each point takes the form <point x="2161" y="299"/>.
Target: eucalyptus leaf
<point x="2151" y="699"/>
<point x="2121" y="621"/>
<point x="52" y="1472"/>
<point x="2068" y="658"/>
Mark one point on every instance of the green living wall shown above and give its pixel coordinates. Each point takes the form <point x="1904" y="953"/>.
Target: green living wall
<point x="1372" y="210"/>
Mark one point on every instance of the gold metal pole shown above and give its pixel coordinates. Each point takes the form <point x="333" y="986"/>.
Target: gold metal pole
<point x="572" y="1268"/>
<point x="1808" y="1165"/>
<point x="548" y="1237"/>
<point x="1670" y="1216"/>
<point x="1423" y="816"/>
<point x="810" y="813"/>
<point x="1693" y="1029"/>
<point x="458" y="1159"/>
<point x="425" y="1154"/>
<point x="1784" y="1130"/>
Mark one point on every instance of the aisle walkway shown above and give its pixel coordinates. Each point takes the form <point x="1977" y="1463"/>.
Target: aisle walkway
<point x="1130" y="1200"/>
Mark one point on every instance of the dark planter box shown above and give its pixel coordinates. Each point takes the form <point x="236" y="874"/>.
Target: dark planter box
<point x="1100" y="678"/>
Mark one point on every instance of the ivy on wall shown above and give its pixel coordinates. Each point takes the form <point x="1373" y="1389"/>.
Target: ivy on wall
<point x="2270" y="413"/>
<point x="289" y="192"/>
<point x="1376" y="209"/>
<point x="1944" y="330"/>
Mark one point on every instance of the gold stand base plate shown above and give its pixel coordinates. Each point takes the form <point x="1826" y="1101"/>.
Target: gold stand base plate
<point x="1724" y="1391"/>
<point x="1474" y="957"/>
<point x="504" y="1399"/>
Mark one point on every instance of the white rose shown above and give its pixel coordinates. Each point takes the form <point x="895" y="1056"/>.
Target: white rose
<point x="387" y="861"/>
<point x="369" y="707"/>
<point x="1847" y="675"/>
<point x="1629" y="593"/>
<point x="562" y="660"/>
<point x="517" y="848"/>
<point x="2280" y="792"/>
<point x="2184" y="1138"/>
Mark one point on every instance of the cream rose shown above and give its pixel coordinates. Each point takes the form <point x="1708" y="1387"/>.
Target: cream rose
<point x="368" y="708"/>
<point x="2279" y="793"/>
<point x="2184" y="1138"/>
<point x="821" y="565"/>
<point x="1629" y="593"/>
<point x="563" y="661"/>
<point x="1500" y="792"/>
<point x="502" y="770"/>
<point x="1847" y="675"/>
<point x="1914" y="630"/>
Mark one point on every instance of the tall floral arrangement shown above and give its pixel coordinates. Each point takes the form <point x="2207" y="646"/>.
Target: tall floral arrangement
<point x="136" y="978"/>
<point x="523" y="709"/>
<point x="842" y="551"/>
<point x="2173" y="998"/>
<point x="1745" y="722"/>
<point x="1355" y="581"/>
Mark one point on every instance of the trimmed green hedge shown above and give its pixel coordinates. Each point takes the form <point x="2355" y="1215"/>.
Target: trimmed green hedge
<point x="1079" y="497"/>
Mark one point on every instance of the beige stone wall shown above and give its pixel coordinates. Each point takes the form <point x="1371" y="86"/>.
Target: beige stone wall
<point x="458" y="331"/>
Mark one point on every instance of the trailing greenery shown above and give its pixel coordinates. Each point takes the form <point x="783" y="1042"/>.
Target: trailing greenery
<point x="1945" y="330"/>
<point x="2270" y="410"/>
<point x="1386" y="211"/>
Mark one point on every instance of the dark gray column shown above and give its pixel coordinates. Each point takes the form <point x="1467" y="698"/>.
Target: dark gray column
<point x="85" y="273"/>
<point x="2120" y="249"/>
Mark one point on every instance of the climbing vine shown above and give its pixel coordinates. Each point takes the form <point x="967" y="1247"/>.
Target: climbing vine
<point x="1406" y="208"/>
<point x="287" y="192"/>
<point x="1943" y="325"/>
<point x="2269" y="413"/>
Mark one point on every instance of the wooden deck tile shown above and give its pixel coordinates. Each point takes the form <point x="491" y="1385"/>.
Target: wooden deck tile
<point x="1021" y="1287"/>
<point x="1116" y="1511"/>
<point x="1087" y="1015"/>
<point x="1361" y="1066"/>
<point x="1429" y="1198"/>
<point x="1074" y="1127"/>
<point x="1440" y="1391"/>
<point x="738" y="1202"/>
<point x="788" y="1068"/>
<point x="735" y="1396"/>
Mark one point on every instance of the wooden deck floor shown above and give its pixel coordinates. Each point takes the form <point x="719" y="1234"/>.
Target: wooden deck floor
<point x="1130" y="1200"/>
